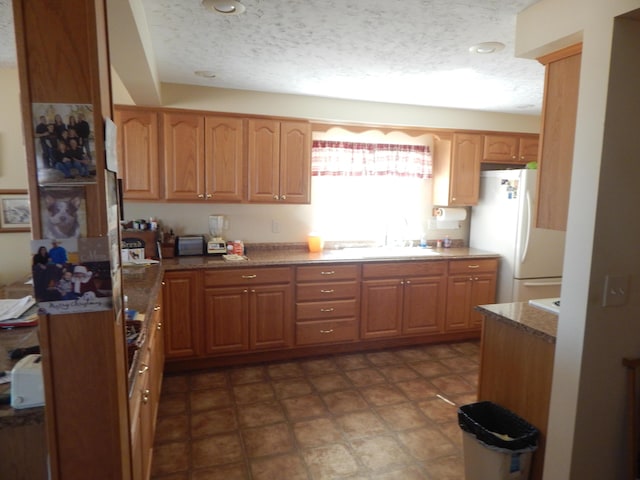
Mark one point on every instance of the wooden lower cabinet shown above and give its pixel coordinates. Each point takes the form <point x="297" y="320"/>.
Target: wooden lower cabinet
<point x="471" y="283"/>
<point x="327" y="304"/>
<point x="144" y="401"/>
<point x="402" y="298"/>
<point x="182" y="292"/>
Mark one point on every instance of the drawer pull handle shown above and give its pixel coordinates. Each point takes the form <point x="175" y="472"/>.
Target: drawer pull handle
<point x="249" y="277"/>
<point x="327" y="309"/>
<point x="330" y="272"/>
<point x="473" y="266"/>
<point x="156" y="308"/>
<point x="144" y="368"/>
<point x="324" y="332"/>
<point x="327" y="291"/>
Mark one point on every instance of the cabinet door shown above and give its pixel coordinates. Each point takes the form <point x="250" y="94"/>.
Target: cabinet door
<point x="424" y="305"/>
<point x="381" y="312"/>
<point x="226" y="327"/>
<point x="183" y="155"/>
<point x="271" y="323"/>
<point x="500" y="148"/>
<point x="182" y="297"/>
<point x="459" y="295"/>
<point x="264" y="160"/>
<point x="528" y="149"/>
<point x="465" y="169"/>
<point x="223" y="145"/>
<point x="483" y="293"/>
<point x="558" y="132"/>
<point x="138" y="153"/>
<point x="295" y="162"/>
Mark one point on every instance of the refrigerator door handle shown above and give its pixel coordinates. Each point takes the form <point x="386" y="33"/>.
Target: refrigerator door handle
<point x="527" y="214"/>
<point x="542" y="284"/>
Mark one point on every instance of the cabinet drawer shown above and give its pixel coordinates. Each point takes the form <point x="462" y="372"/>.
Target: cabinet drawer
<point x="473" y="265"/>
<point x="326" y="291"/>
<point x="404" y="269"/>
<point x="331" y="309"/>
<point x="247" y="276"/>
<point x="327" y="273"/>
<point x="326" y="331"/>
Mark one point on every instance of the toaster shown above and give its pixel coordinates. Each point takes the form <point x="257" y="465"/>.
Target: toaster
<point x="27" y="389"/>
<point x="190" y="245"/>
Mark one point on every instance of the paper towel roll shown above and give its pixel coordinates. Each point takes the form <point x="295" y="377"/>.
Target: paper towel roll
<point x="451" y="214"/>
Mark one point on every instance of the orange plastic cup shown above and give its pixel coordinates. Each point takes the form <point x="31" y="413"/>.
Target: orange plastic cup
<point x="315" y="242"/>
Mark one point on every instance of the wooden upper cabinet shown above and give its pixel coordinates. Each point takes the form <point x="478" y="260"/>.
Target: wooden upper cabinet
<point x="279" y="161"/>
<point x="295" y="162"/>
<point x="510" y="149"/>
<point x="224" y="172"/>
<point x="183" y="154"/>
<point x="138" y="153"/>
<point x="465" y="169"/>
<point x="559" y="112"/>
<point x="203" y="157"/>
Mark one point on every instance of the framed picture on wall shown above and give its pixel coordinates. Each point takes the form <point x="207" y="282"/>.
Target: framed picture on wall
<point x="15" y="214"/>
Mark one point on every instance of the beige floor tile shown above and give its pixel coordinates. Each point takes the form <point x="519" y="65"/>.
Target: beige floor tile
<point x="170" y="458"/>
<point x="427" y="443"/>
<point x="452" y="385"/>
<point x="268" y="440"/>
<point x="344" y="401"/>
<point x="319" y="366"/>
<point x="250" y="374"/>
<point x="289" y="466"/>
<point x="306" y="406"/>
<point x="173" y="404"/>
<point x="212" y="422"/>
<point x="279" y="371"/>
<point x="402" y="416"/>
<point x="316" y="432"/>
<point x="384" y="394"/>
<point x="330" y="462"/>
<point x="353" y="361"/>
<point x="216" y="450"/>
<point x="208" y="399"/>
<point x="292" y="387"/>
<point x="257" y="414"/>
<point x="253" y="392"/>
<point x="380" y="453"/>
<point x="172" y="428"/>
<point x="365" y="377"/>
<point x="330" y="382"/>
<point x="361" y="424"/>
<point x="235" y="471"/>
<point x="209" y="380"/>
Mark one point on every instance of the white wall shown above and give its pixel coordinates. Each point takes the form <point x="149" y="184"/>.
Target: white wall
<point x="587" y="416"/>
<point x="15" y="258"/>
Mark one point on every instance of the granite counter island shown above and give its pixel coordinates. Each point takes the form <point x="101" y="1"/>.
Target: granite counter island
<point x="516" y="365"/>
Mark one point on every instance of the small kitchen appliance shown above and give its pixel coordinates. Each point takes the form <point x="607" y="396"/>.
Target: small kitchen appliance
<point x="27" y="389"/>
<point x="190" y="245"/>
<point x="217" y="245"/>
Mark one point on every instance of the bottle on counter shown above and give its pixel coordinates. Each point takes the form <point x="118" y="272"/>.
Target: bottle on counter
<point x="446" y="243"/>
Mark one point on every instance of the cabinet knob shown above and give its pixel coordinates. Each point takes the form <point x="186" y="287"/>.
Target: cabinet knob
<point x="201" y="195"/>
<point x="156" y="308"/>
<point x="283" y="197"/>
<point x="275" y="197"/>
<point x="159" y="326"/>
<point x="209" y="195"/>
<point x="408" y="282"/>
<point x="145" y="395"/>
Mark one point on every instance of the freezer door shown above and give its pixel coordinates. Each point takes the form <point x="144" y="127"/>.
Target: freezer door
<point x="539" y="252"/>
<point x="525" y="290"/>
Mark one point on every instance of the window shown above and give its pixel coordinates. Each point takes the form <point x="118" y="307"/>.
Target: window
<point x="371" y="191"/>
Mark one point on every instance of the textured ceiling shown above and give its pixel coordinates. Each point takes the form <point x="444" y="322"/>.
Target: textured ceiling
<point x="410" y="52"/>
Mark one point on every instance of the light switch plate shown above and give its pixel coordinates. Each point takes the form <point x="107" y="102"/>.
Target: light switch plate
<point x="616" y="290"/>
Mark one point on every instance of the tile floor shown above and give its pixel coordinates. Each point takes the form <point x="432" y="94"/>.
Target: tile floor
<point x="374" y="415"/>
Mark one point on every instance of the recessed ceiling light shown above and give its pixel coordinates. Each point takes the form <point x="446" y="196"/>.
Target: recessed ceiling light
<point x="224" y="7"/>
<point x="486" y="47"/>
<point x="205" y="73"/>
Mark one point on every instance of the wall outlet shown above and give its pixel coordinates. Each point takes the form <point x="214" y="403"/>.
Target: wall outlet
<point x="616" y="290"/>
<point x="275" y="226"/>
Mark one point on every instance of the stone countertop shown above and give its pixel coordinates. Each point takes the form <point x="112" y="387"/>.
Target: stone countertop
<point x="300" y="255"/>
<point x="524" y="316"/>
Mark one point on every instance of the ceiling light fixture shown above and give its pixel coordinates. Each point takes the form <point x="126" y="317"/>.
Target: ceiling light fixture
<point x="486" y="47"/>
<point x="224" y="7"/>
<point x="205" y="73"/>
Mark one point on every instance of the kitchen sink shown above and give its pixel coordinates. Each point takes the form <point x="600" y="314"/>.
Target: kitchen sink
<point x="380" y="252"/>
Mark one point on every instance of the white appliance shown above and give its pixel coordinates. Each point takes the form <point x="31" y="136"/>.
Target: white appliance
<point x="504" y="222"/>
<point x="549" y="304"/>
<point x="217" y="244"/>
<point x="27" y="389"/>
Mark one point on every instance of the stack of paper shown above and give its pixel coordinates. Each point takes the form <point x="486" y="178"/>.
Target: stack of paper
<point x="18" y="311"/>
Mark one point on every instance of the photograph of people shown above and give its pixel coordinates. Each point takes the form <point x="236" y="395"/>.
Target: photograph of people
<point x="63" y="143"/>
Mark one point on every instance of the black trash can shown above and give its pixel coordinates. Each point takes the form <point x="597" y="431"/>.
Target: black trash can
<point x="498" y="444"/>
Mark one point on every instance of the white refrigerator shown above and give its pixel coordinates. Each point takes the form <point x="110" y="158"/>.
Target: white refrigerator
<point x="504" y="222"/>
